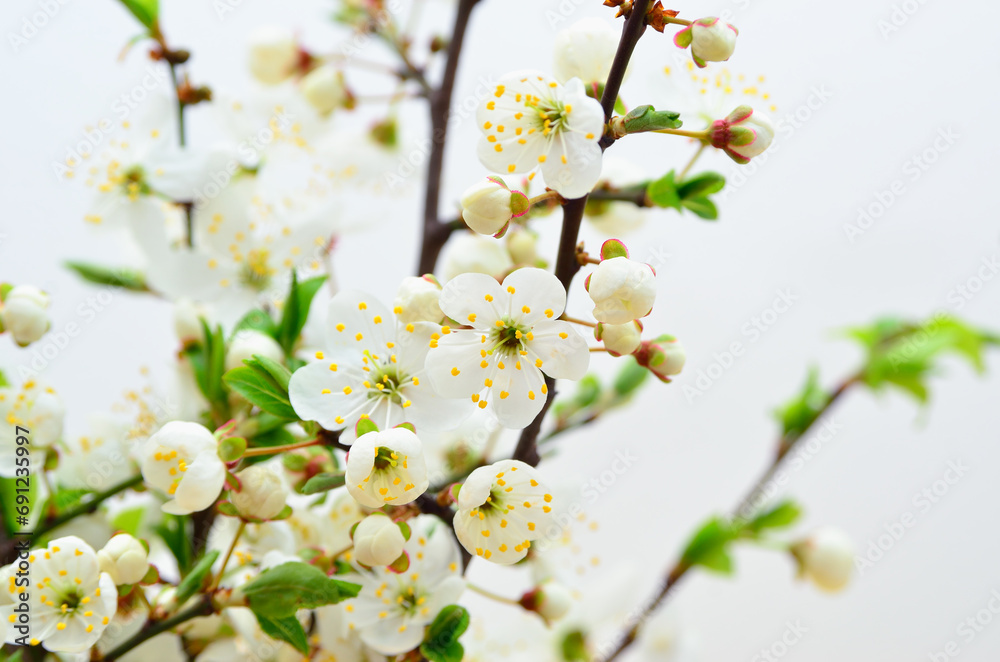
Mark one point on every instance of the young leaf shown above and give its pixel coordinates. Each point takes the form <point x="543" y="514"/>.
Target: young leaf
<point x="257" y="320"/>
<point x="701" y="185"/>
<point x="287" y="629"/>
<point x="284" y="589"/>
<point x="146" y="11"/>
<point x="801" y="411"/>
<point x="702" y="207"/>
<point x="264" y="384"/>
<point x="323" y="483"/>
<point x="708" y="547"/>
<point x="296" y="310"/>
<point x="194" y="580"/>
<point x="662" y="192"/>
<point x="781" y="516"/>
<point x="127" y="279"/>
<point x="441" y="641"/>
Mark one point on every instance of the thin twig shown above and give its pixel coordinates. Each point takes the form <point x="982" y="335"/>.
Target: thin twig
<point x="202" y="608"/>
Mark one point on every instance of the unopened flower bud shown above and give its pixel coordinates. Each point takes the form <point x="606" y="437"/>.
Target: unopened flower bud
<point x="248" y="342"/>
<point x="826" y="558"/>
<point x="261" y="495"/>
<point x="23" y="314"/>
<point x="187" y="320"/>
<point x="664" y="357"/>
<point x="743" y="134"/>
<point x="418" y="300"/>
<point x="274" y="54"/>
<point x="523" y="247"/>
<point x="124" y="558"/>
<point x="488" y="207"/>
<point x="551" y="601"/>
<point x="622" y="290"/>
<point x="324" y="89"/>
<point x="620" y="339"/>
<point x="378" y="541"/>
<point x="472" y="253"/>
<point x="711" y="40"/>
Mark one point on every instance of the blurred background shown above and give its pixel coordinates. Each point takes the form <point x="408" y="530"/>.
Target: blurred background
<point x="868" y="204"/>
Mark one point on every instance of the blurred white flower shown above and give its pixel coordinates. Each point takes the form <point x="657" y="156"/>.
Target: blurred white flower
<point x="585" y="50"/>
<point x="24" y="314"/>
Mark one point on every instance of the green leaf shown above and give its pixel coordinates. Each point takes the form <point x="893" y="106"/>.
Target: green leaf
<point x="323" y="483"/>
<point x="146" y="11"/>
<point x="574" y="647"/>
<point x="630" y="377"/>
<point x="801" y="411"/>
<point x="264" y="384"/>
<point x="208" y="359"/>
<point x="646" y="118"/>
<point x="127" y="279"/>
<point x="781" y="516"/>
<point x="619" y="104"/>
<point x="287" y="629"/>
<point x="64" y="499"/>
<point x="257" y="320"/>
<point x="129" y="520"/>
<point x="194" y="580"/>
<point x="709" y="547"/>
<point x="296" y="310"/>
<point x="702" y="207"/>
<point x="173" y="530"/>
<point x="282" y="590"/>
<point x="662" y="192"/>
<point x="701" y="185"/>
<point x="441" y="641"/>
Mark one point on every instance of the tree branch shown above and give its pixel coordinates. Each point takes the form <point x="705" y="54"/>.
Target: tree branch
<point x="435" y="233"/>
<point x="566" y="262"/>
<point x="202" y="608"/>
<point x="744" y="510"/>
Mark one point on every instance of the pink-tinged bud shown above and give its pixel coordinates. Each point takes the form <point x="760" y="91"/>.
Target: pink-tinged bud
<point x="826" y="558"/>
<point x="743" y="134"/>
<point x="620" y="339"/>
<point x="489" y="206"/>
<point x="664" y="357"/>
<point x="551" y="601"/>
<point x="711" y="40"/>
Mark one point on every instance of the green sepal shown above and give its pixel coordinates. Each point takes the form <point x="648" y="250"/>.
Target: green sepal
<point x="408" y="426"/>
<point x="227" y="509"/>
<point x="232" y="448"/>
<point x="364" y="426"/>
<point x="613" y="248"/>
<point x="400" y="565"/>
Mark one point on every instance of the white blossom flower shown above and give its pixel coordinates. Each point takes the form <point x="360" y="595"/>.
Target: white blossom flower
<point x="274" y="54"/>
<point x="337" y="642"/>
<point x="23" y="313"/>
<point x="585" y="50"/>
<point x="516" y="336"/>
<point x="124" y="559"/>
<point x="417" y="300"/>
<point x="620" y="339"/>
<point x="71" y="600"/>
<point x="35" y="407"/>
<point x="392" y="610"/>
<point x="522" y="244"/>
<point x="182" y="460"/>
<point x="324" y="89"/>
<point x="248" y="342"/>
<point x="622" y="290"/>
<point x="711" y="40"/>
<point x="531" y="121"/>
<point x="386" y="467"/>
<point x="743" y="134"/>
<point x="488" y="206"/>
<point x="373" y="365"/>
<point x="378" y="541"/>
<point x="501" y="509"/>
<point x="261" y="494"/>
<point x="827" y="558"/>
<point x="467" y="252"/>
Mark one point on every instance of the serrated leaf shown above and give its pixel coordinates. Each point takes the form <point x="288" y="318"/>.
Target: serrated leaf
<point x="286" y="629"/>
<point x="662" y="192"/>
<point x="323" y="483"/>
<point x="128" y="279"/>
<point x="259" y="387"/>
<point x="284" y="589"/>
<point x="193" y="581"/>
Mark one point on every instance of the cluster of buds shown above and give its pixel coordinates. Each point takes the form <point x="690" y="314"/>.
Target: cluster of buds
<point x="277" y="56"/>
<point x="489" y="206"/>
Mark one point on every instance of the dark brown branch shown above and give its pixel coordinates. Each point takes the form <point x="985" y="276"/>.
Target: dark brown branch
<point x="436" y="233"/>
<point x="566" y="263"/>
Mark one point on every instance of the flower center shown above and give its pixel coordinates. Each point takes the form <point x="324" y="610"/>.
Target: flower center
<point x="552" y="115"/>
<point x="256" y="271"/>
<point x="509" y="338"/>
<point x="386" y="458"/>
